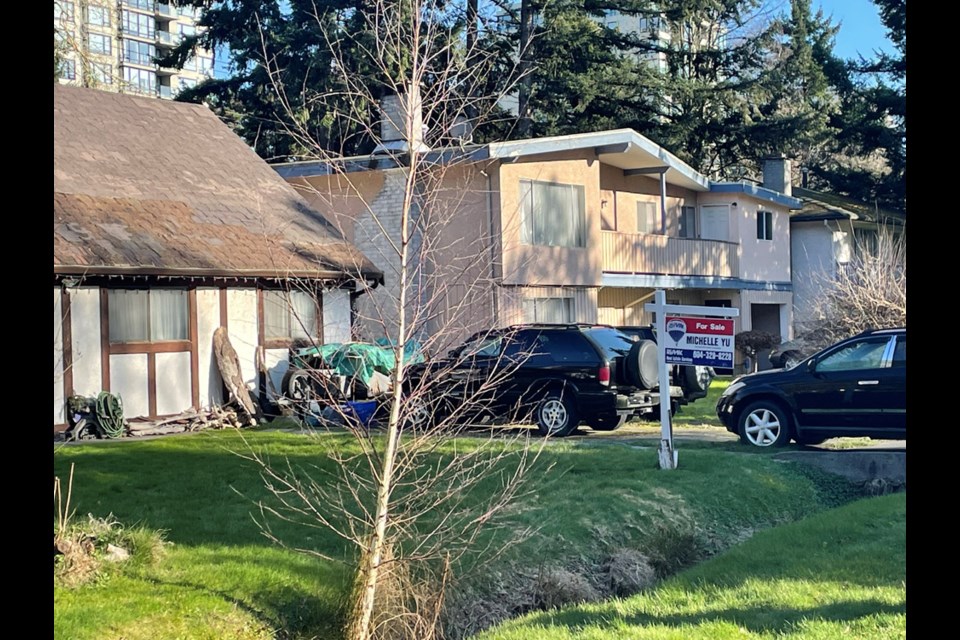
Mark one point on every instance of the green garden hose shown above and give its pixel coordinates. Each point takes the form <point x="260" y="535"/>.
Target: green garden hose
<point x="109" y="411"/>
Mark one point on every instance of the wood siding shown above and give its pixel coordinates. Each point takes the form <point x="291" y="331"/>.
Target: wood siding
<point x="645" y="253"/>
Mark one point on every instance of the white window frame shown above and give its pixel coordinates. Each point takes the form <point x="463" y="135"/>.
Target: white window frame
<point x="764" y="225"/>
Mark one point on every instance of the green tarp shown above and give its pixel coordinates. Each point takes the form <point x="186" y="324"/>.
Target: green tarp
<point x="361" y="358"/>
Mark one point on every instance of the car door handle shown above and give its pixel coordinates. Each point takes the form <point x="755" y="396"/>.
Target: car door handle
<point x="866" y="382"/>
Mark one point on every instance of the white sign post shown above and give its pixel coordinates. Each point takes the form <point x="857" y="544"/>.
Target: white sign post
<point x="689" y="341"/>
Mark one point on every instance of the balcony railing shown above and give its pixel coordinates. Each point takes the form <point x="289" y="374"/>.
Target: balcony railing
<point x="167" y="38"/>
<point x="165" y="91"/>
<point x="166" y="10"/>
<point x="646" y="253"/>
<point x="143" y="5"/>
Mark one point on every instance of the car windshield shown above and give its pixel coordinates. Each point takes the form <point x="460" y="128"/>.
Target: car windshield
<point x="611" y="341"/>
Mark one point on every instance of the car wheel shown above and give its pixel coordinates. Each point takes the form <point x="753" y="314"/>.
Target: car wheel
<point x="418" y="413"/>
<point x="764" y="424"/>
<point x="697" y="378"/>
<point x="643" y="368"/>
<point x="556" y="415"/>
<point x="609" y="423"/>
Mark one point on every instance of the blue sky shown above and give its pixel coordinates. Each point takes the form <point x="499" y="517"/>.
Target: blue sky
<point x="861" y="31"/>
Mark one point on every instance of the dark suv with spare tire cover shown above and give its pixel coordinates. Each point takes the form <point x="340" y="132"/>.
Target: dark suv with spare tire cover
<point x="555" y="375"/>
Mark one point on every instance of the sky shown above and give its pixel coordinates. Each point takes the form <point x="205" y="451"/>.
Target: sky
<point x="861" y="31"/>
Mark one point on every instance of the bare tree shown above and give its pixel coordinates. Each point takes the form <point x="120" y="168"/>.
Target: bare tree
<point x="412" y="498"/>
<point x="869" y="292"/>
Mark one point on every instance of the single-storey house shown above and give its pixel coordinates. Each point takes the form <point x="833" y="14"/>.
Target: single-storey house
<point x="166" y="227"/>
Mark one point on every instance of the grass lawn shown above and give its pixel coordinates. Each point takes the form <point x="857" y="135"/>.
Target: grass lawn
<point x="222" y="578"/>
<point x="837" y="574"/>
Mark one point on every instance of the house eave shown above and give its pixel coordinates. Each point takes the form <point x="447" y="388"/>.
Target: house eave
<point x="760" y="193"/>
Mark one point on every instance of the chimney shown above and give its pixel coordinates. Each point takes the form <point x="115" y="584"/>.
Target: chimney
<point x="393" y="123"/>
<point x="777" y="174"/>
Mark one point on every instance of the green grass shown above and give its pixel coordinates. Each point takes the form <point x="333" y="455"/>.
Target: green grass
<point x="838" y="574"/>
<point x="222" y="578"/>
<point x="703" y="412"/>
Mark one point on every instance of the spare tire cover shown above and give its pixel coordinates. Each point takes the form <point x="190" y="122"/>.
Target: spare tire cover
<point x="643" y="369"/>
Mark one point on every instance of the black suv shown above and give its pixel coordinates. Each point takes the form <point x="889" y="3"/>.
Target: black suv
<point x="693" y="379"/>
<point x="857" y="387"/>
<point x="553" y="375"/>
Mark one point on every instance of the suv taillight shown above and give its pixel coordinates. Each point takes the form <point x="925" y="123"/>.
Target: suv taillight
<point x="604" y="375"/>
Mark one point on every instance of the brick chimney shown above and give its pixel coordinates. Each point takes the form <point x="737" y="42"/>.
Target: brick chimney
<point x="778" y="174"/>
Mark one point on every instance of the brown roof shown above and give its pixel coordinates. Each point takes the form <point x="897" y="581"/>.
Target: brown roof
<point x="819" y="205"/>
<point x="147" y="186"/>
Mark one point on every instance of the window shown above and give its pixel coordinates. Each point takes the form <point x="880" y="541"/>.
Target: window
<point x="863" y="354"/>
<point x="102" y="73"/>
<point x="289" y="315"/>
<point x="62" y="11"/>
<point x="137" y="24"/>
<point x="140" y="315"/>
<point x="146" y="5"/>
<point x="98" y="16"/>
<point x="688" y="222"/>
<point x="68" y="69"/>
<point x="139" y="52"/>
<point x="900" y="352"/>
<point x="647" y="219"/>
<point x="551" y="310"/>
<point x="552" y="214"/>
<point x="187" y="30"/>
<point x="764" y="225"/>
<point x="187" y="83"/>
<point x="140" y="80"/>
<point x="98" y="43"/>
<point x="205" y="65"/>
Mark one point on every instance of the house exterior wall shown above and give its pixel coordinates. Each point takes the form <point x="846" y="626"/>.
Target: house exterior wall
<point x="85" y="331"/>
<point x="813" y="254"/>
<point x="59" y="382"/>
<point x="208" y="319"/>
<point x="541" y="265"/>
<point x="129" y="380"/>
<point x="276" y="361"/>
<point x="336" y="316"/>
<point x="243" y="329"/>
<point x="173" y="382"/>
<point x="760" y="260"/>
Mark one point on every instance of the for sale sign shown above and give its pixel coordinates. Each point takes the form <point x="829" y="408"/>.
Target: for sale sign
<point x="699" y="341"/>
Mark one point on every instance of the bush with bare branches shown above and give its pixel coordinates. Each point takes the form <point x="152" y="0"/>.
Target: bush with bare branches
<point x="869" y="292"/>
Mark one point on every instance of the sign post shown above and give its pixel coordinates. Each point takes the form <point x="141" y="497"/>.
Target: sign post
<point x="705" y="340"/>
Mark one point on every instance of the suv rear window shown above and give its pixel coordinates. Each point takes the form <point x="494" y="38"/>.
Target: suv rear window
<point x="613" y="342"/>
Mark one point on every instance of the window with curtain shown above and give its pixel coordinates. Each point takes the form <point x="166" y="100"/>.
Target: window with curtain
<point x="552" y="214"/>
<point x="549" y="310"/>
<point x="289" y="315"/>
<point x="142" y="315"/>
<point x="648" y="220"/>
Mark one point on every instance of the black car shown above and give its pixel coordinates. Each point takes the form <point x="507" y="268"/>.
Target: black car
<point x="554" y="375"/>
<point x="693" y="379"/>
<point x="856" y="387"/>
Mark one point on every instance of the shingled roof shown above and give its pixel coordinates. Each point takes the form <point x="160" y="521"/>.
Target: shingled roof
<point x="151" y="187"/>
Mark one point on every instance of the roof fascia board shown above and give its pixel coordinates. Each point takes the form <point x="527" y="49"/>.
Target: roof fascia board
<point x="760" y="193"/>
